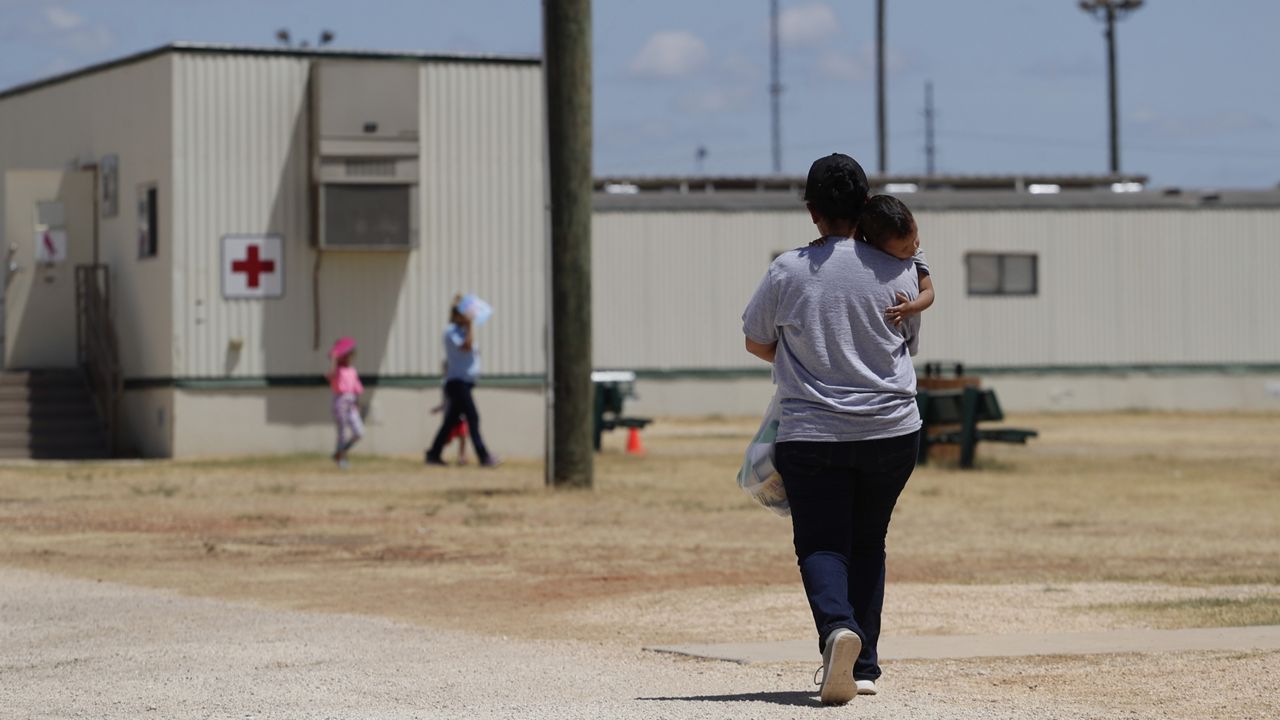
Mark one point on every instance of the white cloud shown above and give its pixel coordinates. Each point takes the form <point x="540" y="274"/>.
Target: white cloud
<point x="858" y="66"/>
<point x="62" y="19"/>
<point x="716" y="100"/>
<point x="668" y="54"/>
<point x="839" y="65"/>
<point x="62" y="28"/>
<point x="805" y="25"/>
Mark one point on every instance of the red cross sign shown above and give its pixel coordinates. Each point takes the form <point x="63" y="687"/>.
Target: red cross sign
<point x="252" y="266"/>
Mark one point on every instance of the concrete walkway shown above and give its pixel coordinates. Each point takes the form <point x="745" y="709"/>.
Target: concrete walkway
<point x="942" y="647"/>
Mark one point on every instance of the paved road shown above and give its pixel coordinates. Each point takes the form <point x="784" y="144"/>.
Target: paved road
<point x="83" y="649"/>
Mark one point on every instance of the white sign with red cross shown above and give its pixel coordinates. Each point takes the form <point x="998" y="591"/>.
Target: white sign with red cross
<point x="252" y="266"/>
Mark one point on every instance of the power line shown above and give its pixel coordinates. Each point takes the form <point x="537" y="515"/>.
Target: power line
<point x="1047" y="141"/>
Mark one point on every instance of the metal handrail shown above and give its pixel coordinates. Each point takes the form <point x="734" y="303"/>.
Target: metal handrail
<point x="96" y="348"/>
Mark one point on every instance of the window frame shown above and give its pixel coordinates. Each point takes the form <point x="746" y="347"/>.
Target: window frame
<point x="149" y="200"/>
<point x="1002" y="274"/>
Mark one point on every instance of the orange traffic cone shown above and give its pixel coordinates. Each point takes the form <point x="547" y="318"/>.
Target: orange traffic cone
<point x="633" y="442"/>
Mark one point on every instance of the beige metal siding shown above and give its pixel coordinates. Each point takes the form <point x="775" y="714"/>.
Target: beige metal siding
<point x="1116" y="287"/>
<point x="669" y="287"/>
<point x="241" y="150"/>
<point x="122" y="111"/>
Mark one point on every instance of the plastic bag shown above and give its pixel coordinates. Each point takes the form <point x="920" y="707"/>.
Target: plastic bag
<point x="758" y="477"/>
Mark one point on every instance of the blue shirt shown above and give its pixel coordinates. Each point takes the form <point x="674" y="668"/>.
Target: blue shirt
<point x="459" y="364"/>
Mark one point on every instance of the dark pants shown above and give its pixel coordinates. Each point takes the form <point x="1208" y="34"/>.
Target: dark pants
<point x="460" y="405"/>
<point x="842" y="496"/>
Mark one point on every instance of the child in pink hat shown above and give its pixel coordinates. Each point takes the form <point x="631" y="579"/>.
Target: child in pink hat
<point x="346" y="387"/>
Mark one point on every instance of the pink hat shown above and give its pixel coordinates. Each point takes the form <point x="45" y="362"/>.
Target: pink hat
<point x="343" y="346"/>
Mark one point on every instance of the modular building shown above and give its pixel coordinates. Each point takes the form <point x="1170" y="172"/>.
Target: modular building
<point x="1082" y="299"/>
<point x="250" y="206"/>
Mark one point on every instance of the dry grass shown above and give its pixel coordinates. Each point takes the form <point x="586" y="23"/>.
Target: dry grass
<point x="1202" y="612"/>
<point x="1190" y="499"/>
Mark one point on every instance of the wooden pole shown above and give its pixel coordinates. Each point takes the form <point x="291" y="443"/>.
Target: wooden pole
<point x="567" y="68"/>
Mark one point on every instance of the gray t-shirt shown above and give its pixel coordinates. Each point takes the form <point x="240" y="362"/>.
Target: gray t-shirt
<point x="843" y="370"/>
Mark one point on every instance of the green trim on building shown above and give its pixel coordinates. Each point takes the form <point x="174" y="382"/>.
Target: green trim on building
<point x="745" y="373"/>
<point x="1134" y="369"/>
<point x="318" y="381"/>
<point x="1119" y="369"/>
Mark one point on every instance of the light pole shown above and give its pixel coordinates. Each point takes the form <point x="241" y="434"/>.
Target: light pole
<point x="1109" y="11"/>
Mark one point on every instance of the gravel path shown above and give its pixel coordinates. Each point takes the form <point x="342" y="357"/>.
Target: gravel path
<point x="74" y="648"/>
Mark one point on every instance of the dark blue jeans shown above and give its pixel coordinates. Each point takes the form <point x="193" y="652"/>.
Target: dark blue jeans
<point x="842" y="495"/>
<point x="460" y="406"/>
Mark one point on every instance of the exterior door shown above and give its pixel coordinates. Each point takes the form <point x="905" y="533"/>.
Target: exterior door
<point x="48" y="230"/>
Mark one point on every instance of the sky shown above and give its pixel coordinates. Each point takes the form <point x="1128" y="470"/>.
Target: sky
<point x="1019" y="85"/>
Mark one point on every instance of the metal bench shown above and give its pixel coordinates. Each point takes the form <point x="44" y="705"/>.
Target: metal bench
<point x="966" y="408"/>
<point x="612" y="388"/>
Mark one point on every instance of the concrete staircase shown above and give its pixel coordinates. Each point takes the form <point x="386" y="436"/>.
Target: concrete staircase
<point x="49" y="414"/>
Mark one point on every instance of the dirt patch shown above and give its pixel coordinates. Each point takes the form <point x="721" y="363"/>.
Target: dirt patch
<point x="665" y="548"/>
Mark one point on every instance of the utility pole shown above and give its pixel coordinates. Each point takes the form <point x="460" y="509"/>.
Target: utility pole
<point x="930" y="149"/>
<point x="567" y="67"/>
<point x="881" y="126"/>
<point x="1109" y="11"/>
<point x="775" y="86"/>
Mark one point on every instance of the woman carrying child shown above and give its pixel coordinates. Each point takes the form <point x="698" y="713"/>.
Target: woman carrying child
<point x="838" y="320"/>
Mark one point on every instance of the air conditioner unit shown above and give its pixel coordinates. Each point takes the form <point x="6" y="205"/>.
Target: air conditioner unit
<point x="365" y="155"/>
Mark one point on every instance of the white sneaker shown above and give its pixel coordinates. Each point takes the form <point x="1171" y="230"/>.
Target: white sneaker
<point x="840" y="652"/>
<point x="866" y="687"/>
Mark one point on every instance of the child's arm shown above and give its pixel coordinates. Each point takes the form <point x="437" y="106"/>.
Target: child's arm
<point x="906" y="307"/>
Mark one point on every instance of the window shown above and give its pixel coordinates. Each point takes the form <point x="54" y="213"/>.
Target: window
<point x="1001" y="273"/>
<point x="148" y="223"/>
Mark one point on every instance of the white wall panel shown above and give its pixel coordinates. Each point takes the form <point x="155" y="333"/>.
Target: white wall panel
<point x="1116" y="287"/>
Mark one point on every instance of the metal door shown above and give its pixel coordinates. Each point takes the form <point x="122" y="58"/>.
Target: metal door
<point x="48" y="230"/>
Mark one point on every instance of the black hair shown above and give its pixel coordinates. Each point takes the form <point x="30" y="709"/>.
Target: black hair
<point x="837" y="187"/>
<point x="884" y="218"/>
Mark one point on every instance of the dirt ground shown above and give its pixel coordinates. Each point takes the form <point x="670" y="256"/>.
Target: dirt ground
<point x="1123" y="520"/>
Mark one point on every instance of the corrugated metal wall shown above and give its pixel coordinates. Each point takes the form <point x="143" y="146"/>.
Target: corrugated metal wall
<point x="1116" y="287"/>
<point x="241" y="162"/>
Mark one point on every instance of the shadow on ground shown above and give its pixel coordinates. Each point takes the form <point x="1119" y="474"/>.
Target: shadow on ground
<point x="797" y="698"/>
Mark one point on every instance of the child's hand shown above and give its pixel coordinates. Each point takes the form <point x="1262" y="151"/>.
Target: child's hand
<point x="901" y="311"/>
